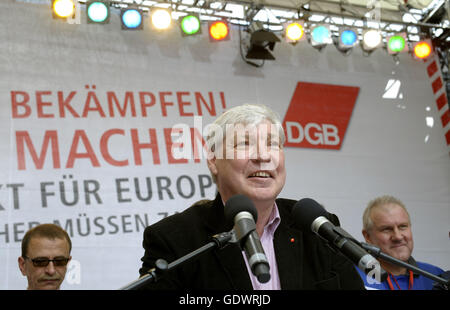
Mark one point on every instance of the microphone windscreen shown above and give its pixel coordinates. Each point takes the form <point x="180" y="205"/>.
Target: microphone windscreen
<point x="305" y="211"/>
<point x="237" y="204"/>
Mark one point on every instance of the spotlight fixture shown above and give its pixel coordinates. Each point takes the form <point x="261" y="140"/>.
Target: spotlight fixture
<point x="294" y="31"/>
<point x="132" y="19"/>
<point x="320" y="36"/>
<point x="347" y="39"/>
<point x="161" y="18"/>
<point x="422" y="49"/>
<point x="190" y="25"/>
<point x="97" y="12"/>
<point x="371" y="39"/>
<point x="219" y="30"/>
<point x="63" y="8"/>
<point x="396" y="43"/>
<point x="262" y="41"/>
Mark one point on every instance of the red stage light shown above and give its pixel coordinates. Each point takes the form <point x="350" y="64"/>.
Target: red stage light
<point x="422" y="49"/>
<point x="219" y="30"/>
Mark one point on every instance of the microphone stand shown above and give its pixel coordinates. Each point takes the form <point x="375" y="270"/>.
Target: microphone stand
<point x="161" y="266"/>
<point x="374" y="250"/>
<point x="375" y="266"/>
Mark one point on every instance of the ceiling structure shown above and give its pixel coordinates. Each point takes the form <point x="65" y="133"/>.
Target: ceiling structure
<point x="404" y="14"/>
<point x="418" y="19"/>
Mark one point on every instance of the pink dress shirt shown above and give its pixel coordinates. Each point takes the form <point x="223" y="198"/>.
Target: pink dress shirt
<point x="267" y="244"/>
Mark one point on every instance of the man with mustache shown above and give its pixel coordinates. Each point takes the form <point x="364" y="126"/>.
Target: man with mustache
<point x="45" y="254"/>
<point x="386" y="224"/>
<point x="246" y="157"/>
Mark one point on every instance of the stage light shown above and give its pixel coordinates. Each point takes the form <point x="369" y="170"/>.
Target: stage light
<point x="422" y="49"/>
<point x="262" y="42"/>
<point x="219" y="31"/>
<point x="63" y="8"/>
<point x="371" y="39"/>
<point x="348" y="38"/>
<point x="131" y="19"/>
<point x="320" y="36"/>
<point x="346" y="41"/>
<point x="97" y="12"/>
<point x="397" y="43"/>
<point x="161" y="19"/>
<point x="190" y="25"/>
<point x="294" y="31"/>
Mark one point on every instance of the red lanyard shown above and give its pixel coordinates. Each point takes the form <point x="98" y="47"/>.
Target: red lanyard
<point x="410" y="285"/>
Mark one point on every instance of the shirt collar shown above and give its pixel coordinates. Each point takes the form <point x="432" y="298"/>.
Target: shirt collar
<point x="274" y="220"/>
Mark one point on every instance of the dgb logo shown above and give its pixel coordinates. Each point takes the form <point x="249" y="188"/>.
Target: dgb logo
<point x="318" y="115"/>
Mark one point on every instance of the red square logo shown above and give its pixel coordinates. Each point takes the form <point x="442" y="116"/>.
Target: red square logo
<point x="318" y="115"/>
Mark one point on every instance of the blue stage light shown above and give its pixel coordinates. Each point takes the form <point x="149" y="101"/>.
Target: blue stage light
<point x="97" y="12"/>
<point x="348" y="38"/>
<point x="131" y="19"/>
<point x="320" y="36"/>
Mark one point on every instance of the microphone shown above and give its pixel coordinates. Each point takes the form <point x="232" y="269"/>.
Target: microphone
<point x="310" y="215"/>
<point x="240" y="210"/>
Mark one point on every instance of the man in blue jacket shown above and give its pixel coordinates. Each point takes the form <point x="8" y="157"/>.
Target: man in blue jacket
<point x="387" y="224"/>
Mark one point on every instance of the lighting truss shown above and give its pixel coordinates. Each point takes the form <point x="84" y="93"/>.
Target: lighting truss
<point x="418" y="19"/>
<point x="416" y="23"/>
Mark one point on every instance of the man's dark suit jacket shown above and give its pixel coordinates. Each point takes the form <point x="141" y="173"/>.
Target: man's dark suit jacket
<point x="304" y="261"/>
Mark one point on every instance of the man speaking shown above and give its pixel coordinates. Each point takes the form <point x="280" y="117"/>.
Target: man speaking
<point x="246" y="157"/>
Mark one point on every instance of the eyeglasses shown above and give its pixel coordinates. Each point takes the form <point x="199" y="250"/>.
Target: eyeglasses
<point x="44" y="261"/>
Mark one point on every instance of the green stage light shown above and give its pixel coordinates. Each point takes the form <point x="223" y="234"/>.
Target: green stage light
<point x="397" y="44"/>
<point x="190" y="25"/>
